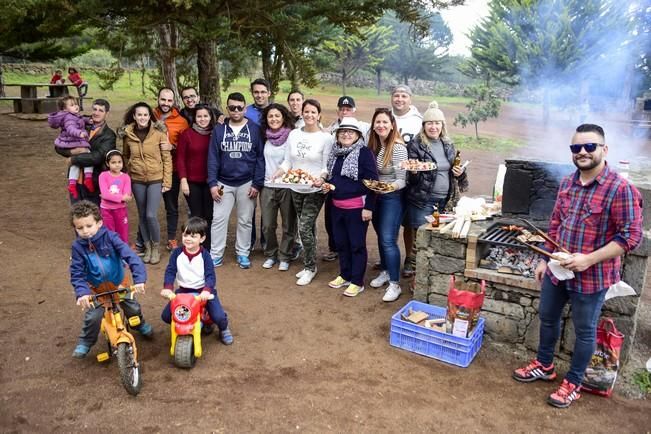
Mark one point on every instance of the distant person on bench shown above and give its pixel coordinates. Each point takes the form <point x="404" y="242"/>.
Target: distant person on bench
<point x="57" y="78"/>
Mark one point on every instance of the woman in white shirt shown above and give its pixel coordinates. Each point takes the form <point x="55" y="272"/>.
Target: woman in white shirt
<point x="308" y="149"/>
<point x="277" y="123"/>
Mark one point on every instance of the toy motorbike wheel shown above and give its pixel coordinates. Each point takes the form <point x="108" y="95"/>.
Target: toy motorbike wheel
<point x="129" y="369"/>
<point x="184" y="352"/>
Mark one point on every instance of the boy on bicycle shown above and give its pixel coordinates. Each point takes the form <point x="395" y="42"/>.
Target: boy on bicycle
<point x="192" y="268"/>
<point x="97" y="265"/>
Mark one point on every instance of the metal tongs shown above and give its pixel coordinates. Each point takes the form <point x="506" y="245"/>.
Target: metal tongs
<point x="544" y="235"/>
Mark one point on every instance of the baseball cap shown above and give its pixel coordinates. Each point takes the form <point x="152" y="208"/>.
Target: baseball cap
<point x="346" y="100"/>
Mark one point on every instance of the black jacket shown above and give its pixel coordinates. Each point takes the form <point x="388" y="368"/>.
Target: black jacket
<point x="420" y="185"/>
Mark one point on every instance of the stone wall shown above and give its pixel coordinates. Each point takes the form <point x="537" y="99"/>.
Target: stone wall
<point x="511" y="312"/>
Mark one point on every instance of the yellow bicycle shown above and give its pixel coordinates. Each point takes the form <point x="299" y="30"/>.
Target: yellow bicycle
<point x="121" y="342"/>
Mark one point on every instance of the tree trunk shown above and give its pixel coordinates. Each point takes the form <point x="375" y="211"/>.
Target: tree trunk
<point x="169" y="40"/>
<point x="378" y="80"/>
<point x="143" y="72"/>
<point x="343" y="81"/>
<point x="477" y="131"/>
<point x="208" y="69"/>
<point x="2" y="81"/>
<point x="276" y="71"/>
<point x="266" y="62"/>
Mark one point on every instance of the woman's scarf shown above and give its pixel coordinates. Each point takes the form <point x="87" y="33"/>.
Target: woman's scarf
<point x="277" y="137"/>
<point x="202" y="131"/>
<point x="350" y="167"/>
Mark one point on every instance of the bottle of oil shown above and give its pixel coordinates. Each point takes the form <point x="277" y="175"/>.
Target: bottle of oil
<point x="436" y="216"/>
<point x="457" y="159"/>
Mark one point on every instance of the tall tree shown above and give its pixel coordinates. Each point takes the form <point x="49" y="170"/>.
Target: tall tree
<point x="352" y="52"/>
<point x="419" y="53"/>
<point x="546" y="43"/>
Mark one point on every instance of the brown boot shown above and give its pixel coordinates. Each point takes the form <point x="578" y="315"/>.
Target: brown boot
<point x="147" y="257"/>
<point x="155" y="253"/>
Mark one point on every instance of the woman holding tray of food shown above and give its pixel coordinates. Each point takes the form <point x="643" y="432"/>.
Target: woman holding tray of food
<point x="440" y="187"/>
<point x="276" y="126"/>
<point x="351" y="163"/>
<point x="304" y="167"/>
<point x="390" y="153"/>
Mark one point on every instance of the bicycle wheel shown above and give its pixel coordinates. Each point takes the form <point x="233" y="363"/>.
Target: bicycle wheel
<point x="129" y="370"/>
<point x="184" y="352"/>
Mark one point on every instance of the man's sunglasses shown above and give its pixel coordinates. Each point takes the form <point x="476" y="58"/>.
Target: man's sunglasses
<point x="589" y="147"/>
<point x="235" y="108"/>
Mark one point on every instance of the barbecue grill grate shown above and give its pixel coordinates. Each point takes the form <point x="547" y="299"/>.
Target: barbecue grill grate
<point x="496" y="235"/>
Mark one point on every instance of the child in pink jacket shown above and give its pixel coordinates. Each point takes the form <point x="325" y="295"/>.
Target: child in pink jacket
<point x="115" y="189"/>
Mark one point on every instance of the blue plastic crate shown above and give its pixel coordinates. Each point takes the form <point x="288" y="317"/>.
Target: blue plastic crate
<point x="432" y="343"/>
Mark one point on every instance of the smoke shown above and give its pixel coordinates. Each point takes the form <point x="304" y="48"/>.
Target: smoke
<point x="583" y="69"/>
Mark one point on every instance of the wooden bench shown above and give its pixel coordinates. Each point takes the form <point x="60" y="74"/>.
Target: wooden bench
<point x="36" y="105"/>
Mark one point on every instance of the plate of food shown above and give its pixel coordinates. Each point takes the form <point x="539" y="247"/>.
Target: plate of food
<point x="296" y="179"/>
<point x="417" y="166"/>
<point x="379" y="186"/>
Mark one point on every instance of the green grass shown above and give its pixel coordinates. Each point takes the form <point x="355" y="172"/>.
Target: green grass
<point x="497" y="144"/>
<point x="642" y="379"/>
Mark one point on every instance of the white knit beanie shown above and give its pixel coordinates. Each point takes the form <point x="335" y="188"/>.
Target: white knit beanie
<point x="433" y="113"/>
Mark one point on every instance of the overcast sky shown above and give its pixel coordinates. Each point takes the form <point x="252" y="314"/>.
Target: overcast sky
<point x="461" y="19"/>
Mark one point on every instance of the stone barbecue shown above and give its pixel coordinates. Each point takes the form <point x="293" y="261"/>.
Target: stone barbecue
<point x="511" y="304"/>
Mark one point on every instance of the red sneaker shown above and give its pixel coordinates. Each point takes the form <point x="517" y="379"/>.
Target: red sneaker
<point x="172" y="244"/>
<point x="534" y="371"/>
<point x="88" y="183"/>
<point x="565" y="395"/>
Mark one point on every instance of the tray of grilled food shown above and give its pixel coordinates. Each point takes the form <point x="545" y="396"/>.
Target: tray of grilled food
<point x="379" y="186"/>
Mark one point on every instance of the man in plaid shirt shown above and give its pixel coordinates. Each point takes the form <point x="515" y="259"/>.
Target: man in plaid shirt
<point x="598" y="217"/>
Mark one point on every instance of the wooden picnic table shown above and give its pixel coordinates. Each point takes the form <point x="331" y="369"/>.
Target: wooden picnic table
<point x="30" y="102"/>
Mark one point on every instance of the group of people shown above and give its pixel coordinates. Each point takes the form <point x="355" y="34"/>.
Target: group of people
<point x="236" y="161"/>
<point x="74" y="77"/>
<point x="223" y="161"/>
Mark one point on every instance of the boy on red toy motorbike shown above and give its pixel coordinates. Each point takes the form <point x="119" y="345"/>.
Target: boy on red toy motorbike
<point x="192" y="268"/>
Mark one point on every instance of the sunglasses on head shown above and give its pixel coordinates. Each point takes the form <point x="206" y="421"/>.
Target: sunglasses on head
<point x="235" y="108"/>
<point x="589" y="147"/>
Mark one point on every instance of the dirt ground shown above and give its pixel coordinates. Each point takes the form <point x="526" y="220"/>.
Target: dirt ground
<point x="304" y="358"/>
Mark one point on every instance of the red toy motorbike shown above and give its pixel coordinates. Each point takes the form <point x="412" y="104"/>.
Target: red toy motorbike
<point x="189" y="316"/>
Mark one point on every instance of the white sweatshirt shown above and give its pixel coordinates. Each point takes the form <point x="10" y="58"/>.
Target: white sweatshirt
<point x="308" y="151"/>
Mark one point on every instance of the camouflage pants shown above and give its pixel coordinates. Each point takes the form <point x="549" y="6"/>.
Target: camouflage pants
<point x="307" y="207"/>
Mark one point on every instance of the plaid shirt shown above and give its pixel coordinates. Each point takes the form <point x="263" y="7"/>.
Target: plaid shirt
<point x="587" y="217"/>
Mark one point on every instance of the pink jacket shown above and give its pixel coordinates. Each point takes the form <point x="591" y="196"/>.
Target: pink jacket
<point x="113" y="188"/>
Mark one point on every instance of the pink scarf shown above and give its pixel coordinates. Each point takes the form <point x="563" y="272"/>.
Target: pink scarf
<point x="277" y="137"/>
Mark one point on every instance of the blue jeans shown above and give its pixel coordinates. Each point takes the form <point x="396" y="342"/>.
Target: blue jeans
<point x="387" y="216"/>
<point x="416" y="215"/>
<point x="586" y="309"/>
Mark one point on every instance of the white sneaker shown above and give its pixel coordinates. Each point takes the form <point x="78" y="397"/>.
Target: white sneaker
<point x="393" y="292"/>
<point x="300" y="273"/>
<point x="269" y="263"/>
<point x="381" y="279"/>
<point x="306" y="277"/>
<point x="283" y="266"/>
